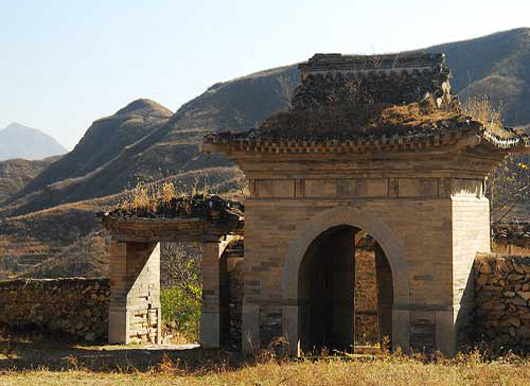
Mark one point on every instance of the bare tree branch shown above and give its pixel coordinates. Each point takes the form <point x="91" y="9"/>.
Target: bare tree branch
<point x="181" y="263"/>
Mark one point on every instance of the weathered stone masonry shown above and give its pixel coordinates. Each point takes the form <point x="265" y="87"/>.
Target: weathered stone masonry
<point x="77" y="307"/>
<point x="80" y="307"/>
<point x="502" y="285"/>
<point x="417" y="188"/>
<point x="135" y="313"/>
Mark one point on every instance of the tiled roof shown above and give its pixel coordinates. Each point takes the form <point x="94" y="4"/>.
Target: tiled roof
<point x="351" y="103"/>
<point x="190" y="206"/>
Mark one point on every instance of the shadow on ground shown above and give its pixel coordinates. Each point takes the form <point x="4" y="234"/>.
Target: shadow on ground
<point x="21" y="352"/>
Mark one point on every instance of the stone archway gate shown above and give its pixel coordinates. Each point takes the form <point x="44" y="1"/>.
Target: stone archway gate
<point x="382" y="233"/>
<point x="134" y="310"/>
<point x="378" y="142"/>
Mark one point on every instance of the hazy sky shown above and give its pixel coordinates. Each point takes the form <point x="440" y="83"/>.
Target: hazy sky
<point x="65" y="63"/>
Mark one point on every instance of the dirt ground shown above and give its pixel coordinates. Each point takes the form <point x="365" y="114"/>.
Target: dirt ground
<point x="30" y="351"/>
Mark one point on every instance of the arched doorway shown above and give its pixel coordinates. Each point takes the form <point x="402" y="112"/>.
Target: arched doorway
<point x="314" y="238"/>
<point x="329" y="294"/>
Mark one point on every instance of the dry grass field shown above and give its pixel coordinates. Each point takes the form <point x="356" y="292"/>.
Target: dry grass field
<point x="40" y="360"/>
<point x="326" y="371"/>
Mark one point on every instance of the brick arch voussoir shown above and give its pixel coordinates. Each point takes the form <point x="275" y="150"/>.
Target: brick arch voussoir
<point x="357" y="218"/>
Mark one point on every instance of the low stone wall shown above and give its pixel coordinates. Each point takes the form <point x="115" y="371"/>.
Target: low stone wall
<point x="502" y="292"/>
<point x="77" y="307"/>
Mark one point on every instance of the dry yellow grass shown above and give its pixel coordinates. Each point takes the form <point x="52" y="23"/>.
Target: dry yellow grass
<point x="413" y="115"/>
<point x="323" y="372"/>
<point x="148" y="197"/>
<point x="374" y="120"/>
<point x="35" y="359"/>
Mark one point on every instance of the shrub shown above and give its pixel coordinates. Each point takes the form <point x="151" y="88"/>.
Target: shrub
<point x="181" y="313"/>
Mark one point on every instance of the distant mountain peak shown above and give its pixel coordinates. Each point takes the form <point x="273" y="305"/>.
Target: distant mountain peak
<point x="19" y="141"/>
<point x="142" y="141"/>
<point x="144" y="104"/>
<point x="15" y="125"/>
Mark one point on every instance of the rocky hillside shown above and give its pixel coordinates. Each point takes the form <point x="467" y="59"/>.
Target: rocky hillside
<point x="15" y="174"/>
<point x="146" y="141"/>
<point x="26" y="241"/>
<point x="105" y="140"/>
<point x="18" y="141"/>
<point x="497" y="65"/>
<point x="87" y="257"/>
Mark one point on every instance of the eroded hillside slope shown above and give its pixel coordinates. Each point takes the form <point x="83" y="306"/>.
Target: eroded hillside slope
<point x="146" y="141"/>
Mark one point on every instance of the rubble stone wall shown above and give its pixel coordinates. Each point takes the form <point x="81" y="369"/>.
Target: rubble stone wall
<point x="502" y="294"/>
<point x="74" y="306"/>
<point x="79" y="307"/>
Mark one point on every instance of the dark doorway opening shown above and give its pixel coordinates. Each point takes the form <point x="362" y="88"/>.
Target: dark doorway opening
<point x="329" y="292"/>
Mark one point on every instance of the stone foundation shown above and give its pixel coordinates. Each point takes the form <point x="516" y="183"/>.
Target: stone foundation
<point x="77" y="307"/>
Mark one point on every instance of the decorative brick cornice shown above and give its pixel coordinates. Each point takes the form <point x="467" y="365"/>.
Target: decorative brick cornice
<point x="521" y="142"/>
<point x="229" y="143"/>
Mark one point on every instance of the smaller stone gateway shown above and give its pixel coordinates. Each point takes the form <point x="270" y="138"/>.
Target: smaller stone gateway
<point x="134" y="312"/>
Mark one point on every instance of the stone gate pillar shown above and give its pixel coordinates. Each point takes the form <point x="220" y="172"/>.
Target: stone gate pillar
<point x="210" y="325"/>
<point x="134" y="311"/>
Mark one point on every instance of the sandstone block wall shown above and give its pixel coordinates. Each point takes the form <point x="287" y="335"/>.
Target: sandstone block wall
<point x="502" y="292"/>
<point x="236" y="280"/>
<point x="471" y="234"/>
<point x="78" y="307"/>
<point x="135" y="312"/>
<point x="365" y="297"/>
<point x="275" y="225"/>
<point x="432" y="273"/>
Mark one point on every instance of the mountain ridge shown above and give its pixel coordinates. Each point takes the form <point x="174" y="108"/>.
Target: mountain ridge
<point x="170" y="147"/>
<point x="151" y="143"/>
<point x="104" y="140"/>
<point x="496" y="65"/>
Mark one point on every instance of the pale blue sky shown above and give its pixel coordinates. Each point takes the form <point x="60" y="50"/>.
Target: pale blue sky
<point x="65" y="63"/>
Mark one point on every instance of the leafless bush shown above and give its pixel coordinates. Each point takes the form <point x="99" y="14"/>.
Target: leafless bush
<point x="287" y="85"/>
<point x="481" y="110"/>
<point x="509" y="186"/>
<point x="181" y="264"/>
